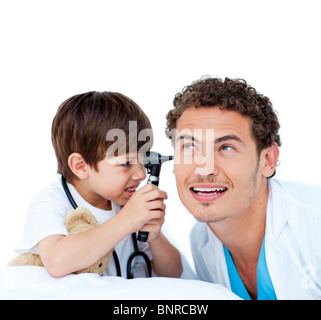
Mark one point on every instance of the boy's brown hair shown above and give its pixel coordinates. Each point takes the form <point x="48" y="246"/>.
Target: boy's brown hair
<point x="83" y="121"/>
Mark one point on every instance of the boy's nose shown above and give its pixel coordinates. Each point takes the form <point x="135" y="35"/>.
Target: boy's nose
<point x="140" y="172"/>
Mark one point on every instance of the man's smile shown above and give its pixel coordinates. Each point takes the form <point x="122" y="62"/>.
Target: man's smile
<point x="206" y="193"/>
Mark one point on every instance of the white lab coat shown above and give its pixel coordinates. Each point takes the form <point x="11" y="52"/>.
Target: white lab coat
<point x="292" y="243"/>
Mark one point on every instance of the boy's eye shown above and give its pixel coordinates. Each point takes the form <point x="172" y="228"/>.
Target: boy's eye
<point x="126" y="164"/>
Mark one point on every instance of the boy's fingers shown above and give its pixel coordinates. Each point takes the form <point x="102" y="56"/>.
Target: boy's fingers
<point x="154" y="214"/>
<point x="157" y="204"/>
<point x="151" y="190"/>
<point x="153" y="224"/>
<point x="155" y="194"/>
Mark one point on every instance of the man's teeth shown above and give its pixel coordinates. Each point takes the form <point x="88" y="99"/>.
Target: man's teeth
<point x="207" y="191"/>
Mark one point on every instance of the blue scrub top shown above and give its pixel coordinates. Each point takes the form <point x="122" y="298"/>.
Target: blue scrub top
<point x="265" y="289"/>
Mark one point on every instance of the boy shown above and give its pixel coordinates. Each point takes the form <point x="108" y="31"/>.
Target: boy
<point x="102" y="183"/>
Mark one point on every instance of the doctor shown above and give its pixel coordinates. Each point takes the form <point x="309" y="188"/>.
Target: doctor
<point x="257" y="236"/>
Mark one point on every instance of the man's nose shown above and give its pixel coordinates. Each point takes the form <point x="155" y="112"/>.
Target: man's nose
<point x="206" y="166"/>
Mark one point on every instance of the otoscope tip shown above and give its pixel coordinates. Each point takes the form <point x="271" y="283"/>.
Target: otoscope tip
<point x="166" y="158"/>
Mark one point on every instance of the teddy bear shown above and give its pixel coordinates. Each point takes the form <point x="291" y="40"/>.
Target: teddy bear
<point x="78" y="220"/>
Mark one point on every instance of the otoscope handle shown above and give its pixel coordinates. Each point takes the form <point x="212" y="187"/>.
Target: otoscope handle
<point x="143" y="235"/>
<point x="153" y="165"/>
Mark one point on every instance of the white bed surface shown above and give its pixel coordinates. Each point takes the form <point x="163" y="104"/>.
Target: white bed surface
<point x="35" y="283"/>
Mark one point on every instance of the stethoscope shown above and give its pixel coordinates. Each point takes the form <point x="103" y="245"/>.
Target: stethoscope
<point x="136" y="252"/>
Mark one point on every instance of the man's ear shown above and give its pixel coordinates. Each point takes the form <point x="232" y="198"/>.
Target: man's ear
<point x="270" y="157"/>
<point x="78" y="165"/>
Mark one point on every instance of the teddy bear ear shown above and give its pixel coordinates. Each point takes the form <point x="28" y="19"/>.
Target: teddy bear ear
<point x="79" y="220"/>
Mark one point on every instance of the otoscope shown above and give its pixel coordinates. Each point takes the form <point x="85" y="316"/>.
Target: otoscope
<point x="153" y="163"/>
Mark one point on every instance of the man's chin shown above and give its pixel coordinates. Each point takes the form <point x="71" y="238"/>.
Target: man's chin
<point x="207" y="214"/>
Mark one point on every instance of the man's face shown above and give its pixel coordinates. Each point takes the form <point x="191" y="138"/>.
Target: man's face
<point x="217" y="167"/>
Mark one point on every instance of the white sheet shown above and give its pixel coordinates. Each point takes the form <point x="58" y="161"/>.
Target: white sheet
<point x="35" y="283"/>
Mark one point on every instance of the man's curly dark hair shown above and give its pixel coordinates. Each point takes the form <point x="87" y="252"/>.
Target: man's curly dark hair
<point x="234" y="95"/>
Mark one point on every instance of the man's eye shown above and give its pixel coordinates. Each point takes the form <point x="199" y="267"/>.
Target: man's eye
<point x="189" y="146"/>
<point x="227" y="148"/>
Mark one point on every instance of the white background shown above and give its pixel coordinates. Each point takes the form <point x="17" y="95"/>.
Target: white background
<point x="149" y="50"/>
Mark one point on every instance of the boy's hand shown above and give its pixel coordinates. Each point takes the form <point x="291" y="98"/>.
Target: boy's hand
<point x="145" y="211"/>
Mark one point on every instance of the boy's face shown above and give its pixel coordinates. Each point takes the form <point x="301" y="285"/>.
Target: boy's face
<point x="116" y="179"/>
